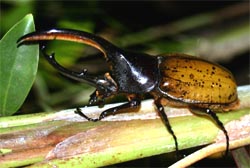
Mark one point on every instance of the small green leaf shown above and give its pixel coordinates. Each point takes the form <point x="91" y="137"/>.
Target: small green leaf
<point x="18" y="67"/>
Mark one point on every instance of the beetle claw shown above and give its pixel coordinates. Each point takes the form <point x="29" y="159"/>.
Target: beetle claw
<point x="79" y="112"/>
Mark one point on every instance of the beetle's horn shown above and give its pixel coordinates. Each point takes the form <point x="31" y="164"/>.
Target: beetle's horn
<point x="70" y="35"/>
<point x="76" y="36"/>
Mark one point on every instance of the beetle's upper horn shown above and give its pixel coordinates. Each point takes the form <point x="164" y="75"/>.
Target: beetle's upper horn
<point x="70" y="35"/>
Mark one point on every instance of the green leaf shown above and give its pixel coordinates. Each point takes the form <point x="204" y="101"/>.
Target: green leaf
<point x="18" y="67"/>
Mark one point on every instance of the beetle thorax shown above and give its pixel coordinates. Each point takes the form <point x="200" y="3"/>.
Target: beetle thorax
<point x="134" y="73"/>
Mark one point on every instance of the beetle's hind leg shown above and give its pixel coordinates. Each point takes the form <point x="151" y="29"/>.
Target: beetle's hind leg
<point x="211" y="114"/>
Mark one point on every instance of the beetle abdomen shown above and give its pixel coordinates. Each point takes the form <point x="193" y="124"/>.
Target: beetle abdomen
<point x="194" y="80"/>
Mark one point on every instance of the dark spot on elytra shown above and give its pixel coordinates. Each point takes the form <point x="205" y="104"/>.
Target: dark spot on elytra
<point x="198" y="70"/>
<point x="213" y="68"/>
<point x="191" y="76"/>
<point x="182" y="75"/>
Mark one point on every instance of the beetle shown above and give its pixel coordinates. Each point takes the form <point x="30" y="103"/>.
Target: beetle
<point x="177" y="80"/>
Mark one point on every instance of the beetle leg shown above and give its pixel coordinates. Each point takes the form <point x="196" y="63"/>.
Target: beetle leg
<point x="210" y="113"/>
<point x="133" y="103"/>
<point x="165" y="120"/>
<point x="105" y="88"/>
<point x="94" y="100"/>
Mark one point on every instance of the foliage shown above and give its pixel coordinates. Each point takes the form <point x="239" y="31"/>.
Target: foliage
<point x="18" y="67"/>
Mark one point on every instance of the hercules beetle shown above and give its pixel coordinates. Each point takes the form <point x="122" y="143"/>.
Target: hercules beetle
<point x="177" y="80"/>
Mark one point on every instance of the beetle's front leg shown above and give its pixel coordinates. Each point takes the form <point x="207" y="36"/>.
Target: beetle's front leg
<point x="95" y="99"/>
<point x="134" y="102"/>
<point x="105" y="88"/>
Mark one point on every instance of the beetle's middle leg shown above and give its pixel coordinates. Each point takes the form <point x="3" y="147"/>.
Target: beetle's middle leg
<point x="165" y="120"/>
<point x="134" y="102"/>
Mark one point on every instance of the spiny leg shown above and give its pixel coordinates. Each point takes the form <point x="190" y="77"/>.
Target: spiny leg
<point x="215" y="118"/>
<point x="165" y="120"/>
<point x="95" y="100"/>
<point x="134" y="103"/>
